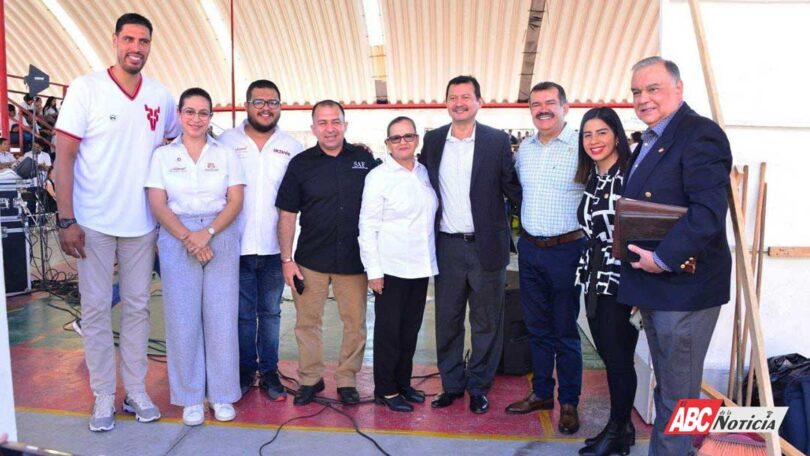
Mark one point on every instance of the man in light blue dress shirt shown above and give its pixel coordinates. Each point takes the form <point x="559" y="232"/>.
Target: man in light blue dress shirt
<point x="549" y="248"/>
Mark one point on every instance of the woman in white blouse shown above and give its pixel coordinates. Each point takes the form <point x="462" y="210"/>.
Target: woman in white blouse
<point x="397" y="247"/>
<point x="195" y="191"/>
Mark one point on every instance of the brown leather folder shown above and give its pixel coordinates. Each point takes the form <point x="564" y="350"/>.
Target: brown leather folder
<point x="643" y="224"/>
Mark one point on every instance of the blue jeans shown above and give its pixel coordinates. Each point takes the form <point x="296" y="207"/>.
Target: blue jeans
<point x="261" y="284"/>
<point x="550" y="304"/>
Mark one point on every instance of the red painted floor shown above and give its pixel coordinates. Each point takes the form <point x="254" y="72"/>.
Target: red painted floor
<point x="56" y="379"/>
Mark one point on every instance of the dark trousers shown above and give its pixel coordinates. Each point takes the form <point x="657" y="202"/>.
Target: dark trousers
<point x="398" y="317"/>
<point x="550" y="304"/>
<point x="678" y="344"/>
<point x="461" y="278"/>
<point x="615" y="340"/>
<point x="260" y="287"/>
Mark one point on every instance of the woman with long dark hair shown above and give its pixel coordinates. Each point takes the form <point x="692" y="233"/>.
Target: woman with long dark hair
<point x="603" y="157"/>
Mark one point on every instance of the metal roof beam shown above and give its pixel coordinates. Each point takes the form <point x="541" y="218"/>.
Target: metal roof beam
<point x="536" y="13"/>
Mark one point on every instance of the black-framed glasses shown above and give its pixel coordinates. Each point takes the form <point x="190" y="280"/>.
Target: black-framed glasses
<point x="258" y="103"/>
<point x="410" y="137"/>
<point x="201" y="114"/>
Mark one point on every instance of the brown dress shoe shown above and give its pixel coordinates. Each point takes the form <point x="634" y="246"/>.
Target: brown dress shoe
<point x="569" y="419"/>
<point x="530" y="404"/>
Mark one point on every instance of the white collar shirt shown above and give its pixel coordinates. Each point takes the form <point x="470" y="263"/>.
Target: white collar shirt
<point x="264" y="169"/>
<point x="7" y="157"/>
<point x="42" y="159"/>
<point x="455" y="175"/>
<point x="397" y="218"/>
<point x="195" y="188"/>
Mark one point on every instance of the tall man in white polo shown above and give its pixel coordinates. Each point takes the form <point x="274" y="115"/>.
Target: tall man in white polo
<point x="110" y="123"/>
<point x="265" y="151"/>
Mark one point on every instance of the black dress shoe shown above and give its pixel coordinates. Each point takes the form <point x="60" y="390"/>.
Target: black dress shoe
<point x="306" y="393"/>
<point x="479" y="403"/>
<point x="396" y="403"/>
<point x="613" y="440"/>
<point x="348" y="395"/>
<point x="411" y="394"/>
<point x="445" y="399"/>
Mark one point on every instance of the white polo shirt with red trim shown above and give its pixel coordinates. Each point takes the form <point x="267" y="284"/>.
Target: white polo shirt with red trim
<point x="118" y="133"/>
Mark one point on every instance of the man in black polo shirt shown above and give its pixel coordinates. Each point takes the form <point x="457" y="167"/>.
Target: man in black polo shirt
<point x="325" y="183"/>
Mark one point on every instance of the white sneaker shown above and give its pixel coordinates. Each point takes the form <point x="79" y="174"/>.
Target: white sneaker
<point x="193" y="415"/>
<point x="224" y="412"/>
<point x="141" y="405"/>
<point x="103" y="417"/>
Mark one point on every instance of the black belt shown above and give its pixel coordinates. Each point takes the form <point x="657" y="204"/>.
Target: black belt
<point x="466" y="237"/>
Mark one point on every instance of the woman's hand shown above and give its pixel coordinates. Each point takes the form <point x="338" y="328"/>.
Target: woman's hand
<point x="196" y="241"/>
<point x="376" y="285"/>
<point x="204" y="255"/>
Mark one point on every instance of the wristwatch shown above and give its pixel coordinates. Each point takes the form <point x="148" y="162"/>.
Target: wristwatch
<point x="286" y="260"/>
<point x="64" y="223"/>
<point x="211" y="231"/>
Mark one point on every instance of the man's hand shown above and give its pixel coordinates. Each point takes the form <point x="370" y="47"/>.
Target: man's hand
<point x="71" y="239"/>
<point x="376" y="285"/>
<point x="196" y="241"/>
<point x="290" y="269"/>
<point x="646" y="262"/>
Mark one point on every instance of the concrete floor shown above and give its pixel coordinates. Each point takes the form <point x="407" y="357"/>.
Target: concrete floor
<point x="35" y="326"/>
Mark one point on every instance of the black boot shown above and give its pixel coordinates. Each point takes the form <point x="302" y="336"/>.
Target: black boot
<point x="614" y="440"/>
<point x="629" y="433"/>
<point x="591" y="440"/>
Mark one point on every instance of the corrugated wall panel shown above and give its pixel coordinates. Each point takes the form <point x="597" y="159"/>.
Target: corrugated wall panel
<point x="429" y="42"/>
<point x="588" y="47"/>
<point x="34" y="36"/>
<point x="317" y="49"/>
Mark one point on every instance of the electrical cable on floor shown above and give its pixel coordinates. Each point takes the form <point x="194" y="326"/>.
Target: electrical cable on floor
<point x="329" y="403"/>
<point x="64" y="286"/>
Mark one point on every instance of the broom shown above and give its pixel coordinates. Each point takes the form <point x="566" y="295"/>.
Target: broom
<point x="745" y="444"/>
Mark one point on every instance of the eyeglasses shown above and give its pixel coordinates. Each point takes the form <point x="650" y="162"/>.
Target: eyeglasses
<point x="258" y="103"/>
<point x="202" y="115"/>
<point x="410" y="137"/>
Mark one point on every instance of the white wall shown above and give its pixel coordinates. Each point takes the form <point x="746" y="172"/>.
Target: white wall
<point x="8" y="423"/>
<point x="759" y="57"/>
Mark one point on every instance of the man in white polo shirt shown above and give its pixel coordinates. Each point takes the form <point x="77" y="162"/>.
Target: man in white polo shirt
<point x="264" y="150"/>
<point x="110" y="123"/>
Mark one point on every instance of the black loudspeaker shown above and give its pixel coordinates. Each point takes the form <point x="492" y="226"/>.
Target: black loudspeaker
<point x="517" y="357"/>
<point x="16" y="257"/>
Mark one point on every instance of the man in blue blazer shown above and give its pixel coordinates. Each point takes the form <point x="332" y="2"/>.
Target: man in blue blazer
<point x="684" y="159"/>
<point x="470" y="168"/>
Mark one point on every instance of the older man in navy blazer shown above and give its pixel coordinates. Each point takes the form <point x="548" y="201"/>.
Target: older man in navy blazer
<point x="683" y="159"/>
<point x="470" y="167"/>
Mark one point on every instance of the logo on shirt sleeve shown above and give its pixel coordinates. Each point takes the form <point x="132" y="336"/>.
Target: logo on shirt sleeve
<point x="152" y="115"/>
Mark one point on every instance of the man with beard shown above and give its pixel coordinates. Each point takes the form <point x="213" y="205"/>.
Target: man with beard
<point x="110" y="123"/>
<point x="265" y="151"/>
<point x="325" y="183"/>
<point x="549" y="248"/>
<point x="470" y="167"/>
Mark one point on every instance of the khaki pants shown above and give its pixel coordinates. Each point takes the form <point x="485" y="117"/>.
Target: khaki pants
<point x="350" y="293"/>
<point x="136" y="257"/>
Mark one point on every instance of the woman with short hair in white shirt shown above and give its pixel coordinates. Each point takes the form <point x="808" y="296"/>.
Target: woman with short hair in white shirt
<point x="398" y="249"/>
<point x="196" y="188"/>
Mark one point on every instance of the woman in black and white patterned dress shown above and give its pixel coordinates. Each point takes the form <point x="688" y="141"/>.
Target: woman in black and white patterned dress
<point x="603" y="156"/>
